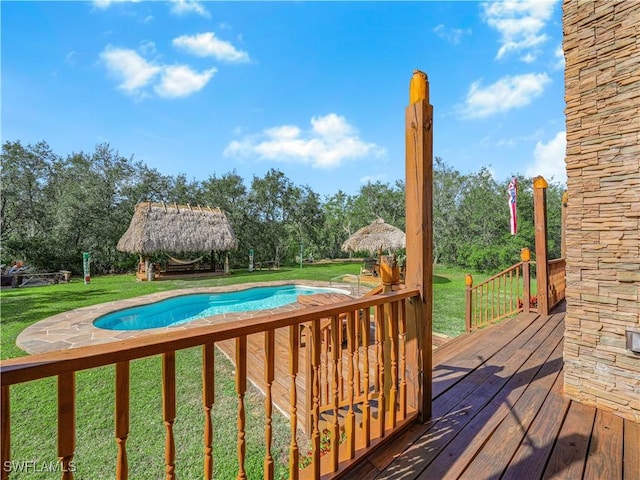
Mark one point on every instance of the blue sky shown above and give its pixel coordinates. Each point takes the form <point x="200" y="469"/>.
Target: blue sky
<point x="315" y="89"/>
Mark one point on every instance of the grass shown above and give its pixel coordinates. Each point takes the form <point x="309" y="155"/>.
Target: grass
<point x="33" y="415"/>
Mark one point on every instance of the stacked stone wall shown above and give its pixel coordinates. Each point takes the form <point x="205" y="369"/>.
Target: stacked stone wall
<point x="602" y="93"/>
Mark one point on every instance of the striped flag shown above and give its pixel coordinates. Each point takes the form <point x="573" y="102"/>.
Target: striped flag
<point x="513" y="197"/>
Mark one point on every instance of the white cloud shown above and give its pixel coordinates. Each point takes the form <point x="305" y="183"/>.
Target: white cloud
<point x="329" y="142"/>
<point x="183" y="7"/>
<point x="147" y="48"/>
<point x="559" y="54"/>
<point x="104" y="4"/>
<point x="451" y="35"/>
<point x="503" y="95"/>
<point x="136" y="74"/>
<point x="207" y="45"/>
<point x="178" y="7"/>
<point x="131" y="69"/>
<point x="521" y="25"/>
<point x="549" y="159"/>
<point x="70" y="58"/>
<point x="181" y="81"/>
<point x="373" y="178"/>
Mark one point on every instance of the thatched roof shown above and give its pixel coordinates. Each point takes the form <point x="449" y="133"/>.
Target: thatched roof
<point x="158" y="227"/>
<point x="375" y="236"/>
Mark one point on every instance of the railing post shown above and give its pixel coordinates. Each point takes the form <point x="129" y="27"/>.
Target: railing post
<point x="563" y="225"/>
<point x="525" y="256"/>
<point x="468" y="281"/>
<point x="419" y="230"/>
<point x="5" y="448"/>
<point x="540" y="186"/>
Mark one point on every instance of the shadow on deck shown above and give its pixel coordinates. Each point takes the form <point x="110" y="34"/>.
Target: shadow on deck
<point x="499" y="413"/>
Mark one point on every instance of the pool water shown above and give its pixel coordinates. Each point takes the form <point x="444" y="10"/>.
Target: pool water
<point x="185" y="308"/>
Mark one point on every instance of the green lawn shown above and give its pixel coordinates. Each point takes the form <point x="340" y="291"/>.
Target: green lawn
<point x="33" y="418"/>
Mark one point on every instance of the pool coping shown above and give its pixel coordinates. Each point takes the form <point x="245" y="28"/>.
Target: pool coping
<point x="75" y="328"/>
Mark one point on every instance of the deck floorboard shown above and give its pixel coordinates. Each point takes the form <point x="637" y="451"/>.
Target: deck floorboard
<point x="499" y="412"/>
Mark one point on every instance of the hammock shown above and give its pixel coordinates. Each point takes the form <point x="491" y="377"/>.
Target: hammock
<point x="185" y="262"/>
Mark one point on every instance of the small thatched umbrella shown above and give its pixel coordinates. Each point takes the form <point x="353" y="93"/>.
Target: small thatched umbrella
<point x="375" y="237"/>
<point x="158" y="227"/>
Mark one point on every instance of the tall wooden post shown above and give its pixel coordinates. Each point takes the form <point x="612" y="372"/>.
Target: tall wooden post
<point x="419" y="223"/>
<point x="540" y="186"/>
<point x="468" y="313"/>
<point x="525" y="256"/>
<point x="563" y="226"/>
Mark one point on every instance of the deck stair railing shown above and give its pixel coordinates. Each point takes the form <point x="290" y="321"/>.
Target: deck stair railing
<point x="368" y="397"/>
<point x="557" y="281"/>
<point x="500" y="296"/>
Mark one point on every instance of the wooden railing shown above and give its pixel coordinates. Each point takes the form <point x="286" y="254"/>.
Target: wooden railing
<point x="352" y="375"/>
<point x="557" y="281"/>
<point x="509" y="292"/>
<point x="503" y="295"/>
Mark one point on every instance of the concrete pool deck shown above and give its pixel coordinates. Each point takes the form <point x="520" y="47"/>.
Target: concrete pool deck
<point x="75" y="328"/>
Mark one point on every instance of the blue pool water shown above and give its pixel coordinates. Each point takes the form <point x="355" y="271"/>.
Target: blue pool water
<point x="185" y="308"/>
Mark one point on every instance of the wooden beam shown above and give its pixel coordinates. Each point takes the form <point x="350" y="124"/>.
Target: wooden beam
<point x="540" y="186"/>
<point x="419" y="230"/>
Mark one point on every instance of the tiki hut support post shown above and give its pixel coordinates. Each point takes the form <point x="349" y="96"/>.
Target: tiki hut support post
<point x="419" y="218"/>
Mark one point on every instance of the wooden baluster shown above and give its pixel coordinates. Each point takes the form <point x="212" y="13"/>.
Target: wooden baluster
<point x="512" y="276"/>
<point x="493" y="300"/>
<point x="377" y="346"/>
<point x="208" y="398"/>
<point x="402" y="327"/>
<point x="501" y="280"/>
<point x="339" y="353"/>
<point x="122" y="418"/>
<point x="241" y="388"/>
<point x="499" y="297"/>
<point x="381" y="397"/>
<point x="393" y="340"/>
<point x="294" y="352"/>
<point x="335" y="391"/>
<point x="518" y="284"/>
<point x="485" y="295"/>
<point x="66" y="423"/>
<point x="324" y="378"/>
<point x="366" y="409"/>
<point x="6" y="433"/>
<point x="169" y="411"/>
<point x="358" y="341"/>
<point x="350" y="421"/>
<point x="269" y="370"/>
<point x="315" y="410"/>
<point x="474" y="307"/>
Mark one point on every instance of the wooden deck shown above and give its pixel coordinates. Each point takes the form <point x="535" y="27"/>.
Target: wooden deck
<point x="499" y="413"/>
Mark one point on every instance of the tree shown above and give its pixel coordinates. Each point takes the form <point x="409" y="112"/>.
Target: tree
<point x="448" y="191"/>
<point x="379" y="200"/>
<point x="337" y="226"/>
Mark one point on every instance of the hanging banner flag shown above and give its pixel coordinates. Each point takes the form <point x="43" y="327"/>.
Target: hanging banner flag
<point x="513" y="197"/>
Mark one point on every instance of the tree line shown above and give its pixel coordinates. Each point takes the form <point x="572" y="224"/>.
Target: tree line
<point x="55" y="207"/>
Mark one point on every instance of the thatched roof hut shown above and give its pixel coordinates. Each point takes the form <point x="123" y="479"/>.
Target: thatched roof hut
<point x="158" y="227"/>
<point x="376" y="236"/>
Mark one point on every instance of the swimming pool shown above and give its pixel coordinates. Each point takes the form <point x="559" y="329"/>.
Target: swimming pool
<point x="185" y="308"/>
